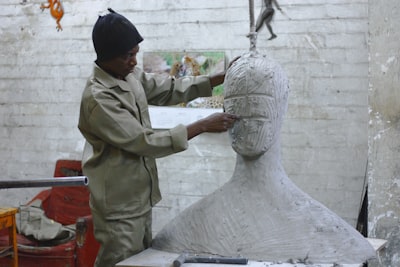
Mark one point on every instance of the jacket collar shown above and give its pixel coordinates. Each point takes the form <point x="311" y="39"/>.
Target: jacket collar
<point x="108" y="80"/>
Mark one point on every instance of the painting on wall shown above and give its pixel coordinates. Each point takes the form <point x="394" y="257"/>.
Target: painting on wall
<point x="179" y="64"/>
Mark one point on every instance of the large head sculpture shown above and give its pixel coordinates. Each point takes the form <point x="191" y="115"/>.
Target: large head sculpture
<point x="256" y="89"/>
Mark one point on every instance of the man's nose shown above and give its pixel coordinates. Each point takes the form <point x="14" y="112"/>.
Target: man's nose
<point x="133" y="61"/>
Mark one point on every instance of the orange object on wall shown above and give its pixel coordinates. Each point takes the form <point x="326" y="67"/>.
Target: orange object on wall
<point x="56" y="11"/>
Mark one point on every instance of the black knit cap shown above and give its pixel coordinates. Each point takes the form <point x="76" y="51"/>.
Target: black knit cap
<point x="114" y="35"/>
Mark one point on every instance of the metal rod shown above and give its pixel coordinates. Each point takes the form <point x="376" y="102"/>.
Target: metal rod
<point x="45" y="182"/>
<point x="251" y="13"/>
<point x="253" y="34"/>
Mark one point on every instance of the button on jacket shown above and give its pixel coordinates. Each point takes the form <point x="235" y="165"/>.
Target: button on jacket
<point x="114" y="119"/>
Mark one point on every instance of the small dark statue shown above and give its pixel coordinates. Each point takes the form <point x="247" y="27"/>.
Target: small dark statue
<point x="266" y="15"/>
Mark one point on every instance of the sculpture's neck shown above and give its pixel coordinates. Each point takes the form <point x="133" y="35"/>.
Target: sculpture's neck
<point x="266" y="166"/>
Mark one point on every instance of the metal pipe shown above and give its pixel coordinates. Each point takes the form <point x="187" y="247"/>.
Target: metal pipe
<point x="45" y="182"/>
<point x="252" y="34"/>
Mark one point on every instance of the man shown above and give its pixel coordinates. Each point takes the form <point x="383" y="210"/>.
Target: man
<point x="114" y="119"/>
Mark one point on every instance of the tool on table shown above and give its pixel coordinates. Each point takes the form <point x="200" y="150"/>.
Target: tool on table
<point x="187" y="258"/>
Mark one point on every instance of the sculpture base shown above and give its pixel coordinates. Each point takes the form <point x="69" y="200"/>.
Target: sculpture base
<point x="157" y="258"/>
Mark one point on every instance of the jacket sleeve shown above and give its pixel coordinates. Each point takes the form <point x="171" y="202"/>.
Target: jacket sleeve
<point x="115" y="125"/>
<point x="161" y="91"/>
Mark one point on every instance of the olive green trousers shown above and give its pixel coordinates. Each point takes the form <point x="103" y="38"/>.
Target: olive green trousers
<point x="119" y="239"/>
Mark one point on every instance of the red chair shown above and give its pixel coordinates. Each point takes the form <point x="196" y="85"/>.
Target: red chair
<point x="66" y="205"/>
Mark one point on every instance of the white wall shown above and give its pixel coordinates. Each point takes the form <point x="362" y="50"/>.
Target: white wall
<point x="384" y="132"/>
<point x="322" y="44"/>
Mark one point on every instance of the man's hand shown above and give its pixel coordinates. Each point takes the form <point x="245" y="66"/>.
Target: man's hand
<point x="214" y="123"/>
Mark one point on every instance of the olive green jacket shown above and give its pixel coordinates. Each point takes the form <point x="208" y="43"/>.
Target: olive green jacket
<point x="114" y="119"/>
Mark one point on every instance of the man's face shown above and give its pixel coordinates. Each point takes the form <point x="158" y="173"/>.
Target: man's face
<point x="121" y="66"/>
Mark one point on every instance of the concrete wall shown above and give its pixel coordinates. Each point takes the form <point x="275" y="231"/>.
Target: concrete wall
<point x="384" y="137"/>
<point x="322" y="44"/>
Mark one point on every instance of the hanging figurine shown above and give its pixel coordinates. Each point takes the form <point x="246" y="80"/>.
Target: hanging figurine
<point x="56" y="11"/>
<point x="266" y="15"/>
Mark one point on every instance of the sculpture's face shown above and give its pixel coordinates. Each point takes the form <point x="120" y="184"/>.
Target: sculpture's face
<point x="254" y="133"/>
<point x="253" y="91"/>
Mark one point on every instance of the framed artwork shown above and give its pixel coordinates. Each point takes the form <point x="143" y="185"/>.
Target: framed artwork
<point x="180" y="64"/>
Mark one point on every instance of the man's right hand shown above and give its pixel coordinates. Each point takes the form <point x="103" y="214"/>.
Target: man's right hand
<point x="214" y="123"/>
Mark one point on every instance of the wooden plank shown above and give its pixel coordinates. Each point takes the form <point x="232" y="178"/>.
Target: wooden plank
<point x="150" y="258"/>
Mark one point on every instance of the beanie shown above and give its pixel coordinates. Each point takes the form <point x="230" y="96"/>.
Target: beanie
<point x="114" y="35"/>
